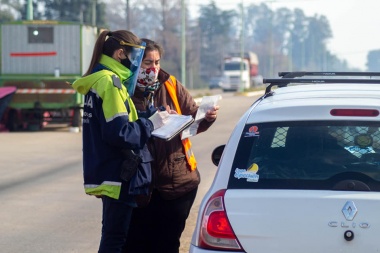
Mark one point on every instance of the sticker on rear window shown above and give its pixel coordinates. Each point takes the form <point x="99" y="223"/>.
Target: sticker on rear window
<point x="358" y="151"/>
<point x="250" y="174"/>
<point x="252" y="132"/>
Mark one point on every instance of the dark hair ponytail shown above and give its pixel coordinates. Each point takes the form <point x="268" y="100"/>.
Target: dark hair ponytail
<point x="108" y="42"/>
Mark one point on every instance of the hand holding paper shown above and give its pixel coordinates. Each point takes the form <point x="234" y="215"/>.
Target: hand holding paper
<point x="158" y="119"/>
<point x="211" y="113"/>
<point x="208" y="103"/>
<point x="166" y="125"/>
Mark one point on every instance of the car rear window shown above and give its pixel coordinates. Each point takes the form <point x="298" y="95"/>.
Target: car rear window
<point x="308" y="155"/>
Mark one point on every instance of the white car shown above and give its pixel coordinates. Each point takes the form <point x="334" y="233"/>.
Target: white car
<point x="300" y="172"/>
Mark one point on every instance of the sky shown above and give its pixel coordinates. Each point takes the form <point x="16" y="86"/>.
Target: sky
<point x="354" y="23"/>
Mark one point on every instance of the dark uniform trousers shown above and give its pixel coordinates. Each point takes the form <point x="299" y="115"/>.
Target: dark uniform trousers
<point x="157" y="228"/>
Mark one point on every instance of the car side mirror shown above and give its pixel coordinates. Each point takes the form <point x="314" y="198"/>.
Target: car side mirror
<point x="217" y="154"/>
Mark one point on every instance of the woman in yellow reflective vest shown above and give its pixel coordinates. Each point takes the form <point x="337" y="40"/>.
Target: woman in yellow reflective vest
<point x="157" y="227"/>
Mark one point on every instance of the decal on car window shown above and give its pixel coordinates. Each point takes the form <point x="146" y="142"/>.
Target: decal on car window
<point x="252" y="132"/>
<point x="358" y="151"/>
<point x="250" y="174"/>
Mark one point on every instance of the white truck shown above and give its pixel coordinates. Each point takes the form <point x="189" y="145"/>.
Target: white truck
<point x="241" y="71"/>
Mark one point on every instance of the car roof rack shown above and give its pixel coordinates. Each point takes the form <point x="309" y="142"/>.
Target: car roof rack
<point x="289" y="77"/>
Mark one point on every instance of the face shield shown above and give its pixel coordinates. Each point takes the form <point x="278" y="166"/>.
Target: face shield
<point x="135" y="59"/>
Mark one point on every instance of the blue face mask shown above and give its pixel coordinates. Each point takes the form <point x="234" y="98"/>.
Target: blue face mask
<point x="133" y="63"/>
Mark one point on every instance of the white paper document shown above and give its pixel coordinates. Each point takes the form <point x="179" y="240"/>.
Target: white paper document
<point x="169" y="125"/>
<point x="207" y="103"/>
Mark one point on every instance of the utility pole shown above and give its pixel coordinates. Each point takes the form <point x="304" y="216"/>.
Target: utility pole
<point x="29" y="10"/>
<point x="183" y="44"/>
<point x="93" y="12"/>
<point x="241" y="88"/>
<point x="128" y="19"/>
<point x="271" y="58"/>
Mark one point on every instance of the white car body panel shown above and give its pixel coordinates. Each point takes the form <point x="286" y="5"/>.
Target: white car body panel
<point x="263" y="224"/>
<point x="317" y="104"/>
<point x="298" y="220"/>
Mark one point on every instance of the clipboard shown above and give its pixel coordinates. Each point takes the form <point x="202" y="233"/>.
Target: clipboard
<point x="174" y="125"/>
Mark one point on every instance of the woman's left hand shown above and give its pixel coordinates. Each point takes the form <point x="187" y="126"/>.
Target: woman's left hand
<point x="170" y="111"/>
<point x="167" y="108"/>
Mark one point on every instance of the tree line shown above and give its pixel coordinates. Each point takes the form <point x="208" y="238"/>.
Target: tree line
<point x="283" y="39"/>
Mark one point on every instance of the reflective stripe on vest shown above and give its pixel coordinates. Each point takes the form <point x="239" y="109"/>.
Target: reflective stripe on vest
<point x="171" y="87"/>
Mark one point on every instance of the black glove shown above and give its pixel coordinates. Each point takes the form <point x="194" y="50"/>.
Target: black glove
<point x="150" y="110"/>
<point x="130" y="164"/>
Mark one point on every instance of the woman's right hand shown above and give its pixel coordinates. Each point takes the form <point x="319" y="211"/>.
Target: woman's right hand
<point x="167" y="108"/>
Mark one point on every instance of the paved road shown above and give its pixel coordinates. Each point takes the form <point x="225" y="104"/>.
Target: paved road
<point x="43" y="206"/>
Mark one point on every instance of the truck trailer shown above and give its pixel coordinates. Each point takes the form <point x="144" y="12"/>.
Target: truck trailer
<point x="240" y="71"/>
<point x="41" y="58"/>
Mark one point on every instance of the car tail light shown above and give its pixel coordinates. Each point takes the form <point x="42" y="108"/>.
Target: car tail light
<point x="355" y="112"/>
<point x="216" y="231"/>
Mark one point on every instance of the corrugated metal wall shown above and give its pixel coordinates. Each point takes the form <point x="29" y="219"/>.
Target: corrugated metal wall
<point x="65" y="46"/>
<point x="89" y="36"/>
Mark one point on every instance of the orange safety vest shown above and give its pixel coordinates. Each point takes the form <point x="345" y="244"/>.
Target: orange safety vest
<point x="172" y="89"/>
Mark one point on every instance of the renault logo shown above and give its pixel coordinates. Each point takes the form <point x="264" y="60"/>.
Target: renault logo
<point x="349" y="210"/>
